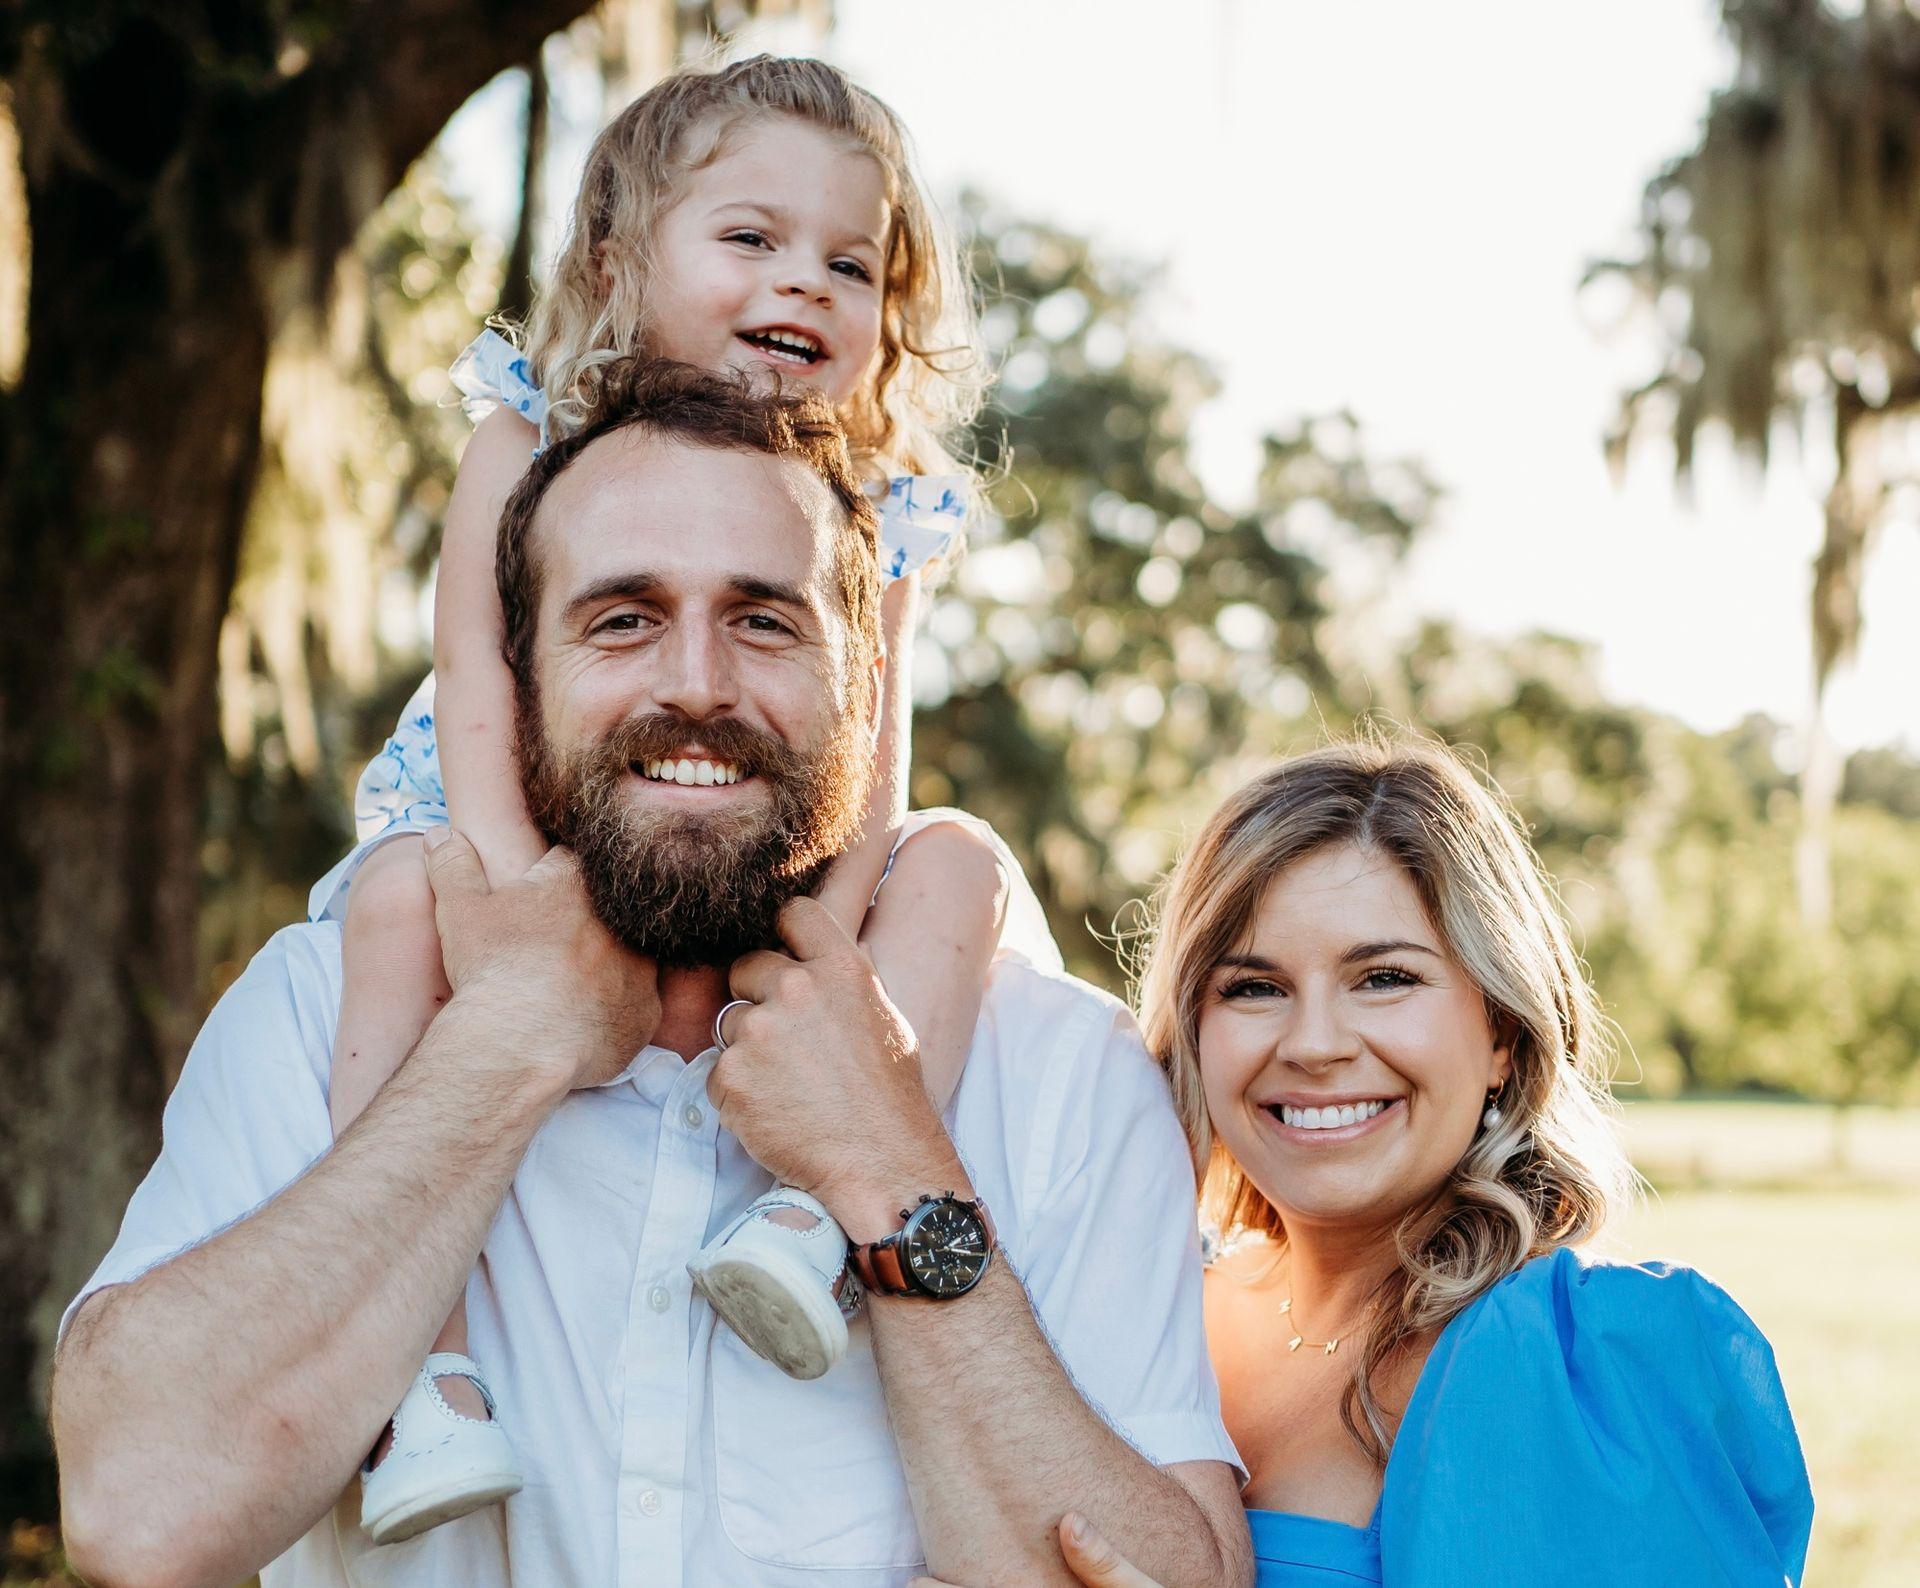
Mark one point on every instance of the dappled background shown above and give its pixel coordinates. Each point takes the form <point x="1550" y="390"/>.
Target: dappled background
<point x="236" y="257"/>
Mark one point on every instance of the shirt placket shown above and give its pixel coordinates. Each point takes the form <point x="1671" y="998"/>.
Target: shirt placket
<point x="650" y="1528"/>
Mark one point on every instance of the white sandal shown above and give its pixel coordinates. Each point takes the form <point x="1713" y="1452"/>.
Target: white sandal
<point x="788" y="1293"/>
<point x="441" y="1464"/>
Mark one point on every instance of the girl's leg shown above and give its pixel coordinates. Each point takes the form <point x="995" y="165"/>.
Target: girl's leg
<point x="393" y="984"/>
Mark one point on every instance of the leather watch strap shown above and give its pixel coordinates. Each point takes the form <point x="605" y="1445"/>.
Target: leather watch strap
<point x="879" y="1266"/>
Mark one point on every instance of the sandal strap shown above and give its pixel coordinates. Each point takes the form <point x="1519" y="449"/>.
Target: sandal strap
<point x="451" y="1364"/>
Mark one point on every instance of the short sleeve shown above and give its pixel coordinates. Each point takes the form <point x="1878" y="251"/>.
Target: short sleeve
<point x="922" y="520"/>
<point x="1112" y="1251"/>
<point x="492" y="373"/>
<point x="399" y="792"/>
<point x="1592" y="1422"/>
<point x="249" y="1113"/>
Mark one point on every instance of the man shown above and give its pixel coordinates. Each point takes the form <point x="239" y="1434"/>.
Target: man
<point x="691" y="575"/>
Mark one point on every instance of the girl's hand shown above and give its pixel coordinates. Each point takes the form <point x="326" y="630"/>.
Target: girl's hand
<point x="1091" y="1559"/>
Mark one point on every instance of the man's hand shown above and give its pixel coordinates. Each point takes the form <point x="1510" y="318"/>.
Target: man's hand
<point x="532" y="960"/>
<point x="821" y="1078"/>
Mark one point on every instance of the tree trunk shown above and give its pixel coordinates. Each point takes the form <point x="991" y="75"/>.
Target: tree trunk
<point x="191" y="176"/>
<point x="516" y="286"/>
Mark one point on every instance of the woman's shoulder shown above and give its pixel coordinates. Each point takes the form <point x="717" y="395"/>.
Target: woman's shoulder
<point x="1616" y="1391"/>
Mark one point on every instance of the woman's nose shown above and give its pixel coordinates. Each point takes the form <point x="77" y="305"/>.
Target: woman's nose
<point x="1319" y="1034"/>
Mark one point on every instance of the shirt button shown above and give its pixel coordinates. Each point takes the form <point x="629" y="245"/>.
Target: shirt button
<point x="659" y="1298"/>
<point x="694" y="1118"/>
<point x="650" y="1503"/>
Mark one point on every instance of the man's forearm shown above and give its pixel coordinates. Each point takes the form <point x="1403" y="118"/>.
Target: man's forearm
<point x="220" y="1403"/>
<point x="997" y="1445"/>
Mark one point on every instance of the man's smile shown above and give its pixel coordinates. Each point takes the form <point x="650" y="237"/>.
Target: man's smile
<point x="689" y="772"/>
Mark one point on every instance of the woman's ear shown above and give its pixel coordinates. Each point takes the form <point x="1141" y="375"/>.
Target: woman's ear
<point x="1507" y="1032"/>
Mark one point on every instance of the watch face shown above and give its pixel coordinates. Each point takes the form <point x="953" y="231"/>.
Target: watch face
<point x="945" y="1247"/>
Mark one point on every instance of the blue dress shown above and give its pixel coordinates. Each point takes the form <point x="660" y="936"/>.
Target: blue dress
<point x="921" y="518"/>
<point x="1580" y="1423"/>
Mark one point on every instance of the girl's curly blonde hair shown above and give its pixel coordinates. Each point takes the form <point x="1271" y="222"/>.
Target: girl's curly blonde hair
<point x="928" y="379"/>
<point x="1551" y="1171"/>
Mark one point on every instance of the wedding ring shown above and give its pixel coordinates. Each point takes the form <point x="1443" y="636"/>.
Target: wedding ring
<point x="719" y="1020"/>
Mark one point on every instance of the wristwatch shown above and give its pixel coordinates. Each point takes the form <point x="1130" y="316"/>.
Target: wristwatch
<point x="940" y="1251"/>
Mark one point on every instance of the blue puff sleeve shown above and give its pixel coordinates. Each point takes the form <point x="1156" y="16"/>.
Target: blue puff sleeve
<point x="1588" y="1423"/>
<point x="492" y="373"/>
<point x="921" y="518"/>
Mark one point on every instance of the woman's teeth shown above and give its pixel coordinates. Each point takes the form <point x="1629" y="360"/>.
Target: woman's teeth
<point x="1331" y="1118"/>
<point x="692" y="772"/>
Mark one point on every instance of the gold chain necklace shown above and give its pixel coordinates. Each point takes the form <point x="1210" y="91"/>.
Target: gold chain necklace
<point x="1298" y="1340"/>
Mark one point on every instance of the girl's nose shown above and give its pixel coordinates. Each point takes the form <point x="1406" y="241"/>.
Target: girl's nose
<point x="808" y="281"/>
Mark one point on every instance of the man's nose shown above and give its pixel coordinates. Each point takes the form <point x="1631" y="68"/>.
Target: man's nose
<point x="696" y="675"/>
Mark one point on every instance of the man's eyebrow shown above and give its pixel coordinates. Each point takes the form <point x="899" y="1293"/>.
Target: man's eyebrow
<point x="614" y="587"/>
<point x="638" y="585"/>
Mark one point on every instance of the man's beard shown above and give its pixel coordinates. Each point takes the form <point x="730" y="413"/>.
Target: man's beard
<point x="688" y="887"/>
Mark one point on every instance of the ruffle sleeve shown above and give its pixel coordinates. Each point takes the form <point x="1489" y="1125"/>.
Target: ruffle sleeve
<point x="922" y="517"/>
<point x="492" y="373"/>
<point x="1589" y="1422"/>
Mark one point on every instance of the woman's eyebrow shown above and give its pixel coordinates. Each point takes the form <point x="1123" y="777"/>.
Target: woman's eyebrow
<point x="1243" y="962"/>
<point x="1361" y="951"/>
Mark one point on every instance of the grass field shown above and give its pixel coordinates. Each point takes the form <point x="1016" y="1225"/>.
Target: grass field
<point x="1827" y="1261"/>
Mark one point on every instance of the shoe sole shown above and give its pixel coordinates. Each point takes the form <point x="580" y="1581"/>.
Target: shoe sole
<point x="408" y="1517"/>
<point x="784" y="1313"/>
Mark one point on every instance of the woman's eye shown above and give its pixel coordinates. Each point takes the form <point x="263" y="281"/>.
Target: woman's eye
<point x="1387" y="978"/>
<point x="1249" y="987"/>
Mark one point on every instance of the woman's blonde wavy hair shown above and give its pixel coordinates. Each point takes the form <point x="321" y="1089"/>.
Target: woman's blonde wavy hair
<point x="928" y="379"/>
<point x="1551" y="1171"/>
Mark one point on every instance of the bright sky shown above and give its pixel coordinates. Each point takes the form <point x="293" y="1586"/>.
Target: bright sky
<point x="1386" y="205"/>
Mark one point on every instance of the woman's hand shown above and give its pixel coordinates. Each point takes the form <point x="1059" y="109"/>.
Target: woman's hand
<point x="1091" y="1559"/>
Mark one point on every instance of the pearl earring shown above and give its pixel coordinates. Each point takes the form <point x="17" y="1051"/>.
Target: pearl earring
<point x="1492" y="1116"/>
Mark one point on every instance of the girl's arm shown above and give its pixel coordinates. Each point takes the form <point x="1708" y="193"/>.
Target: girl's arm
<point x="473" y="709"/>
<point x="936" y="925"/>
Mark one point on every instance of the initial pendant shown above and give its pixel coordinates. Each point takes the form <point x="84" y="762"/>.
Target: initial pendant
<point x="1294" y="1343"/>
<point x="1332" y="1346"/>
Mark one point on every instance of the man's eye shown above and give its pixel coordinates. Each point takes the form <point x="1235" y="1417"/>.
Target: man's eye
<point x="763" y="623"/>
<point x="619" y="623"/>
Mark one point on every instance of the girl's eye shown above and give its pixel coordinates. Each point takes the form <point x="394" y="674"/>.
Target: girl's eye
<point x="1388" y="978"/>
<point x="748" y="235"/>
<point x="853" y="268"/>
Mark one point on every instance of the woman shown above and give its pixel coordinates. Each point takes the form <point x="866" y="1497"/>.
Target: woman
<point x="1390" y="1063"/>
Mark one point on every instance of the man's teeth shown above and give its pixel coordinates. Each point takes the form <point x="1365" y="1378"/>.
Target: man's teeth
<point x="691" y="772"/>
<point x="1332" y="1117"/>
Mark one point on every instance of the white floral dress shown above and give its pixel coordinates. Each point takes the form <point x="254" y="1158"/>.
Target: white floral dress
<point x="401" y="791"/>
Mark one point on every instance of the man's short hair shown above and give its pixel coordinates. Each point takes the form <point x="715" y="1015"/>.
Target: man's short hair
<point x="679" y="402"/>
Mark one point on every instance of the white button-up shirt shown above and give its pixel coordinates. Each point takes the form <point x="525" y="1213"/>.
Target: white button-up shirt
<point x="658" y="1449"/>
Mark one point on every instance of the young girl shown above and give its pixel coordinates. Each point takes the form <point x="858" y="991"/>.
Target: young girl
<point x="765" y="216"/>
